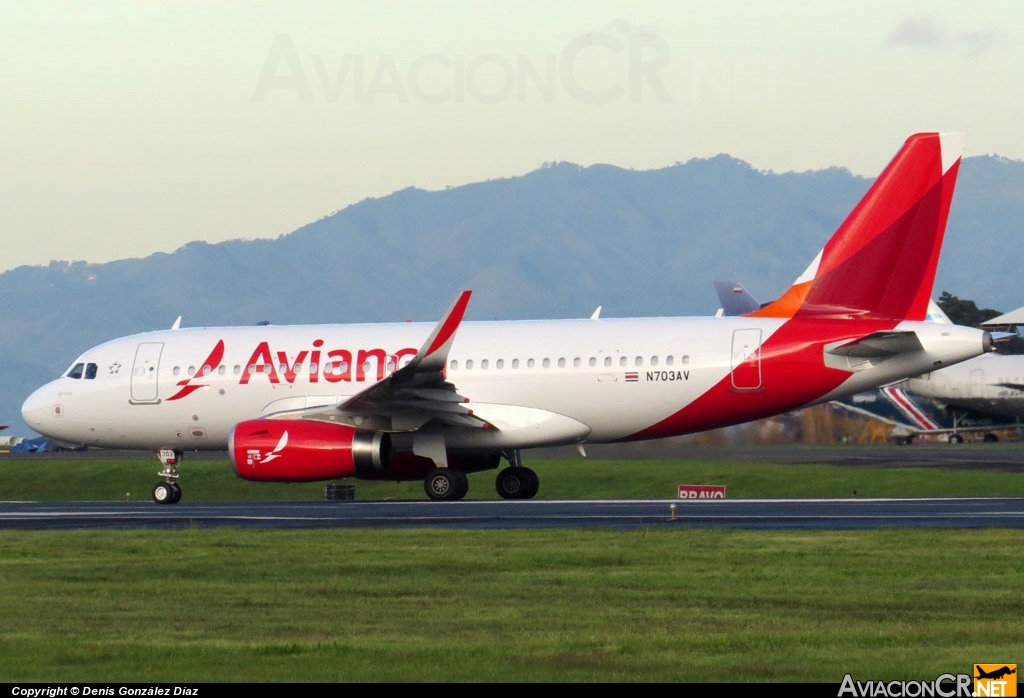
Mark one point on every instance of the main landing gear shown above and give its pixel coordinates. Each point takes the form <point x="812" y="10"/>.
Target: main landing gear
<point x="446" y="484"/>
<point x="517" y="482"/>
<point x="514" y="482"/>
<point x="168" y="491"/>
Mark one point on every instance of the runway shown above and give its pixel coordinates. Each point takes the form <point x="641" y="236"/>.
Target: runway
<point x="775" y="514"/>
<point x="802" y="514"/>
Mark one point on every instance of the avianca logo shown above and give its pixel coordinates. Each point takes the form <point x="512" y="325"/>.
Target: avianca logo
<point x="254" y="456"/>
<point x="192" y="384"/>
<point x="329" y="366"/>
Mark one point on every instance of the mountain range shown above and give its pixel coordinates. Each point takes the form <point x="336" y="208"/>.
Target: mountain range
<point x="556" y="242"/>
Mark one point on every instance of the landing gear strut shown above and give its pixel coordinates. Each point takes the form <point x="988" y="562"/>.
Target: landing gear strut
<point x="168" y="491"/>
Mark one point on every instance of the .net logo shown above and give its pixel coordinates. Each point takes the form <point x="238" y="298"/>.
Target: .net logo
<point x="995" y="680"/>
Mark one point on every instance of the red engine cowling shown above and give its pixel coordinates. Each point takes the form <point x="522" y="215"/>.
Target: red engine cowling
<point x="295" y="450"/>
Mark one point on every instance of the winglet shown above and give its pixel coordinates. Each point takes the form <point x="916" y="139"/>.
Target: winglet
<point x="881" y="261"/>
<point x="434" y="352"/>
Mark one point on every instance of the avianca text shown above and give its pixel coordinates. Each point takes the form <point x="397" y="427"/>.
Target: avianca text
<point x="331" y="365"/>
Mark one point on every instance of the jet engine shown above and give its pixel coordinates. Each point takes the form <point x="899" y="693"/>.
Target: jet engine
<point x="295" y="450"/>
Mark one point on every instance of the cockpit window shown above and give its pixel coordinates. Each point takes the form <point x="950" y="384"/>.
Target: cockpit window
<point x="82" y="370"/>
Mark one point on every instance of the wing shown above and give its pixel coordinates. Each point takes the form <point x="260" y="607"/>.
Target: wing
<point x="412" y="396"/>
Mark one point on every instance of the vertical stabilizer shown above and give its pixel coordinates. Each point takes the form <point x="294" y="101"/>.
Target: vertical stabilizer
<point x="881" y="262"/>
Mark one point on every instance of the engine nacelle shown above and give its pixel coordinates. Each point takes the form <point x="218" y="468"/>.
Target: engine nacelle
<point x="296" y="450"/>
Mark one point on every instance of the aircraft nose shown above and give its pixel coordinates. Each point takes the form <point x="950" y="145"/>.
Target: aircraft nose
<point x="39" y="409"/>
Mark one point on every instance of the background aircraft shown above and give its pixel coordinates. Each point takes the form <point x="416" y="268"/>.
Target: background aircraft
<point x="320" y="402"/>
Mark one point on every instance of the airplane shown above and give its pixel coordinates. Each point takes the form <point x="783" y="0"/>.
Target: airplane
<point x="408" y="401"/>
<point x="995" y="673"/>
<point x="911" y="415"/>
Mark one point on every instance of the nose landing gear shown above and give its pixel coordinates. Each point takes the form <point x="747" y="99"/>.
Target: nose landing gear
<point x="169" y="491"/>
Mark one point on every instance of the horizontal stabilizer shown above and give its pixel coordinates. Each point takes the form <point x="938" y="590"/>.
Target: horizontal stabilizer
<point x="880" y="345"/>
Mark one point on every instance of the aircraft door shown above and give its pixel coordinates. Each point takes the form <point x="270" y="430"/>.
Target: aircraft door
<point x="145" y="371"/>
<point x="746" y="359"/>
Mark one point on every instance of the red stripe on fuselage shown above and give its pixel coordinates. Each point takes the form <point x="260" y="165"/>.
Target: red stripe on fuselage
<point x="793" y="375"/>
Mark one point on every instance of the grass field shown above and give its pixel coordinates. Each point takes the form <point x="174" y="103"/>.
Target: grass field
<point x="228" y="605"/>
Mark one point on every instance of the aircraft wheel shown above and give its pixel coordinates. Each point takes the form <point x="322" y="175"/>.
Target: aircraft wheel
<point x="990" y="439"/>
<point x="532" y="484"/>
<point x="517" y="483"/>
<point x="956" y="439"/>
<point x="177" y="493"/>
<point x="446" y="485"/>
<point x="163" y="493"/>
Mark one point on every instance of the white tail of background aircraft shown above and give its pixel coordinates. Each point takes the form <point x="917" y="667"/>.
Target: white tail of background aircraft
<point x="410" y="401"/>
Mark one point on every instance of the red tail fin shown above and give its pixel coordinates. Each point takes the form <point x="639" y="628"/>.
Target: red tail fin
<point x="881" y="261"/>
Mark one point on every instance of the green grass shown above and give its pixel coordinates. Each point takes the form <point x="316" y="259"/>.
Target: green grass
<point x="364" y="605"/>
<point x="517" y="606"/>
<point x="212" y="479"/>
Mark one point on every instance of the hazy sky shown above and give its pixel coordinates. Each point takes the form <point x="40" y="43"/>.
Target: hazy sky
<point x="132" y="127"/>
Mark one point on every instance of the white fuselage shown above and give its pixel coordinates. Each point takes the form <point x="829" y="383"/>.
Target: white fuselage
<point x="538" y="382"/>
